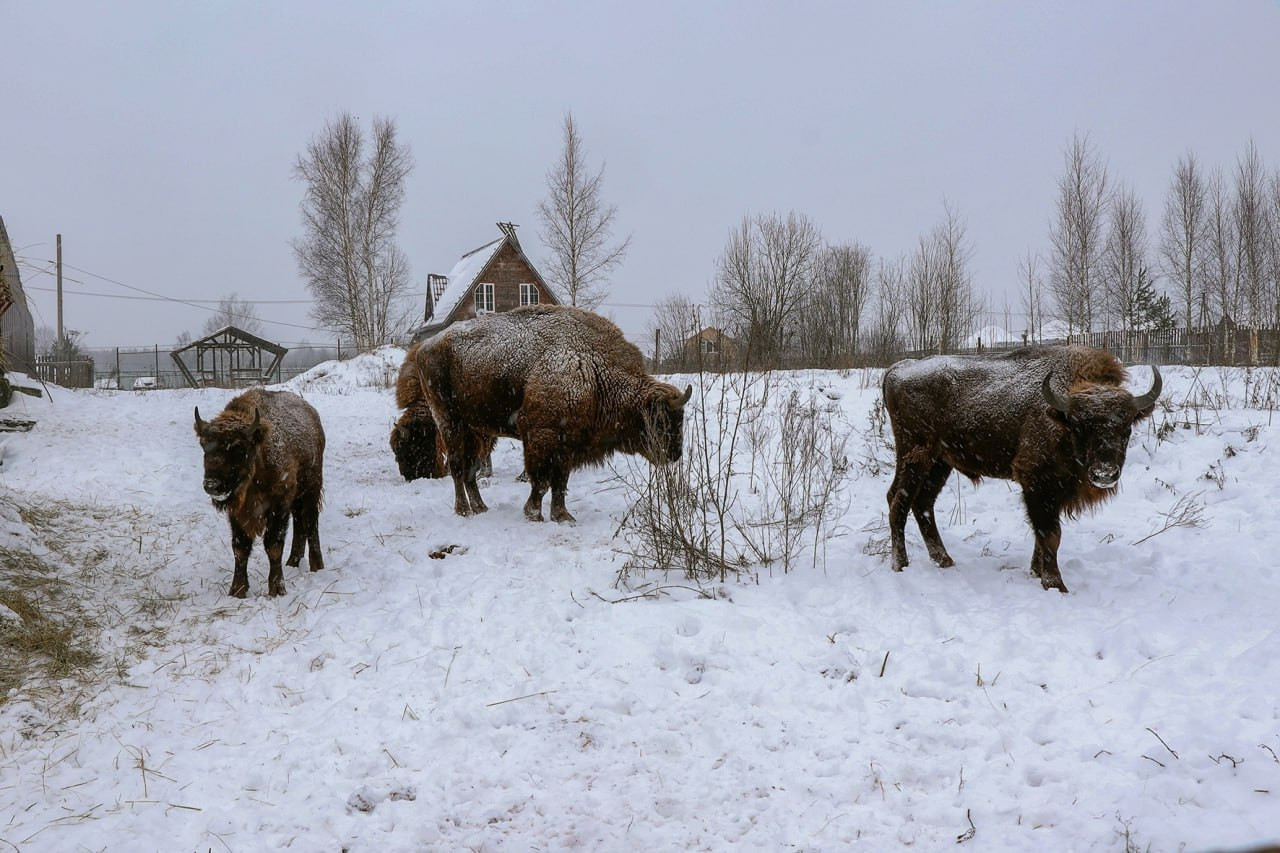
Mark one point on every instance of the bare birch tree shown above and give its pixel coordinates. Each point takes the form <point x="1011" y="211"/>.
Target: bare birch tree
<point x="347" y="253"/>
<point x="832" y="321"/>
<point x="942" y="308"/>
<point x="1123" y="269"/>
<point x="1031" y="281"/>
<point x="1077" y="235"/>
<point x="577" y="226"/>
<point x="885" y="342"/>
<point x="1249" y="218"/>
<point x="1182" y="236"/>
<point x="233" y="311"/>
<point x="762" y="278"/>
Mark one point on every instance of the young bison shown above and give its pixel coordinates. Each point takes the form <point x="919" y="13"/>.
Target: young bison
<point x="264" y="462"/>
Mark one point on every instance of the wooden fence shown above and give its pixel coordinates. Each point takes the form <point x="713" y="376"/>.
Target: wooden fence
<point x="76" y="373"/>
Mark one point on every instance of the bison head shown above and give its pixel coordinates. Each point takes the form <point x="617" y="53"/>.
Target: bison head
<point x="664" y="423"/>
<point x="415" y="443"/>
<point x="1099" y="419"/>
<point x="230" y="447"/>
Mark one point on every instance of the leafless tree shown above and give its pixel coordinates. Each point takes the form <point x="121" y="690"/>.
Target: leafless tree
<point x="1032" y="291"/>
<point x="1077" y="235"/>
<point x="1183" y="233"/>
<point x="1249" y="217"/>
<point x="885" y="340"/>
<point x="577" y="226"/>
<point x="347" y="253"/>
<point x="831" y="323"/>
<point x="1123" y="269"/>
<point x="1220" y="242"/>
<point x="1273" y="243"/>
<point x="762" y="277"/>
<point x="942" y="308"/>
<point x="675" y="319"/>
<point x="233" y="311"/>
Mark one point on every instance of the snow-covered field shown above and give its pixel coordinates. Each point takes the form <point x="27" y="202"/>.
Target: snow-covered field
<point x="509" y="696"/>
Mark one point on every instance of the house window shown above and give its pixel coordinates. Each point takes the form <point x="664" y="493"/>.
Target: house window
<point x="484" y="299"/>
<point x="710" y="346"/>
<point x="528" y="294"/>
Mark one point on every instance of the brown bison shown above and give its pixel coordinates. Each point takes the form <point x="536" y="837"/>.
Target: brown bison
<point x="264" y="462"/>
<point x="1055" y="420"/>
<point x="562" y="380"/>
<point x="415" y="441"/>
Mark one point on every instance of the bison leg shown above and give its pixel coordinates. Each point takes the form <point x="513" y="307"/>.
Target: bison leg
<point x="533" y="506"/>
<point x="1044" y="515"/>
<point x="241" y="545"/>
<point x="273" y="543"/>
<point x="922" y="509"/>
<point x="559" y="488"/>
<point x="907" y="478"/>
<point x="306" y="533"/>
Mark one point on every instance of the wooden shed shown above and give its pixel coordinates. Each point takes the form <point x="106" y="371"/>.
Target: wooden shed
<point x="230" y="358"/>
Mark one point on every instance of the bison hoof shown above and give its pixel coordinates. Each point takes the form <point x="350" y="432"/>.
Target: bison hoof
<point x="239" y="591"/>
<point x="944" y="561"/>
<point x="533" y="513"/>
<point x="562" y="516"/>
<point x="1054" y="584"/>
<point x="276" y="589"/>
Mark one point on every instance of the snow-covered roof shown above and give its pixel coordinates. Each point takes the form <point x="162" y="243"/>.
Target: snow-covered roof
<point x="461" y="277"/>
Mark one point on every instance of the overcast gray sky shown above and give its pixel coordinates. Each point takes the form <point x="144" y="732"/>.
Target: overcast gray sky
<point x="159" y="138"/>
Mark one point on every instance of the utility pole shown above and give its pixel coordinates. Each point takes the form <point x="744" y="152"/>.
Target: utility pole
<point x="60" y="290"/>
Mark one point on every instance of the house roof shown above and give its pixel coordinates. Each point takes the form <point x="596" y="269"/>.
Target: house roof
<point x="461" y="277"/>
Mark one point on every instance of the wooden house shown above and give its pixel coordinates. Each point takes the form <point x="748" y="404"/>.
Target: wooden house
<point x="710" y="347"/>
<point x="17" y="327"/>
<point x="494" y="278"/>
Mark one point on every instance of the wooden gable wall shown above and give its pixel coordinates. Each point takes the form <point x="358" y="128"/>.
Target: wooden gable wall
<point x="506" y="272"/>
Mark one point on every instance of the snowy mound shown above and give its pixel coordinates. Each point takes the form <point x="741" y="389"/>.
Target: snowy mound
<point x="377" y="369"/>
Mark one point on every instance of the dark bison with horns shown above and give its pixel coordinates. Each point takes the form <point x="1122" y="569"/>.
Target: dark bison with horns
<point x="562" y="380"/>
<point x="1055" y="420"/>
<point x="263" y="463"/>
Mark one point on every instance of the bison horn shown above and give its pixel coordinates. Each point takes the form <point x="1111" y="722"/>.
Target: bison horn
<point x="199" y="423"/>
<point x="678" y="402"/>
<point x="1148" y="400"/>
<point x="1051" y="397"/>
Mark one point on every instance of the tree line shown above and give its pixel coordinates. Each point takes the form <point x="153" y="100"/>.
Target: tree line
<point x="783" y="295"/>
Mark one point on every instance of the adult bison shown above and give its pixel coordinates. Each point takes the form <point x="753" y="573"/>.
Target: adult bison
<point x="415" y="441"/>
<point x="562" y="380"/>
<point x="1055" y="420"/>
<point x="264" y="462"/>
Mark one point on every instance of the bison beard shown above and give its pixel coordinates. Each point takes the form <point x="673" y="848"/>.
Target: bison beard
<point x="562" y="380"/>
<point x="1055" y="420"/>
<point x="264" y="463"/>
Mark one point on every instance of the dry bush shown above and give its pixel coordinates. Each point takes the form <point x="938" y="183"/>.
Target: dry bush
<point x="760" y="483"/>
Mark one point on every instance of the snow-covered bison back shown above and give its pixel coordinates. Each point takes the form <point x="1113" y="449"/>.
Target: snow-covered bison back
<point x="1055" y="420"/>
<point x="263" y="463"/>
<point x="562" y="380"/>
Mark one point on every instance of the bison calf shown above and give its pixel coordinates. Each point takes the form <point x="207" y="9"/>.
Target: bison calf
<point x="1055" y="420"/>
<point x="264" y="462"/>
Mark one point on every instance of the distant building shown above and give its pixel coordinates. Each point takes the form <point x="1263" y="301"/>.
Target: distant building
<point x="494" y="278"/>
<point x="17" y="329"/>
<point x="710" y="347"/>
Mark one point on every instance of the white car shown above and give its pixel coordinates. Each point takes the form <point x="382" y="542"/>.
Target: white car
<point x="146" y="383"/>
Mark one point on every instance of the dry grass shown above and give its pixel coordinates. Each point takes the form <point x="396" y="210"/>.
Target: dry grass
<point x="84" y="599"/>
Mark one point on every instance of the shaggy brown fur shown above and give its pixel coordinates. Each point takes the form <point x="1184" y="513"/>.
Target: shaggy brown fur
<point x="264" y="463"/>
<point x="415" y="441"/>
<point x="1055" y="420"/>
<point x="562" y="380"/>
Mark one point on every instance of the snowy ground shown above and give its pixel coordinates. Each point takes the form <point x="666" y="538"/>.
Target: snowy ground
<point x="505" y="697"/>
